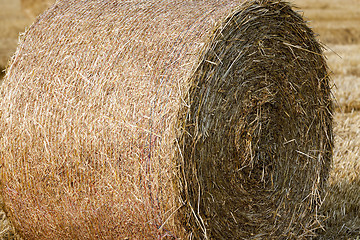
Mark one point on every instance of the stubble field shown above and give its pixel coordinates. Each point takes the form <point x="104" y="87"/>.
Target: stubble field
<point x="338" y="25"/>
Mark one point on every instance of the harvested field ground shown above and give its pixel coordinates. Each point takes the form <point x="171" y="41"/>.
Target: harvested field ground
<point x="337" y="22"/>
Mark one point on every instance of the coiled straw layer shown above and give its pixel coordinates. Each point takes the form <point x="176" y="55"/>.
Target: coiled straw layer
<point x="163" y="119"/>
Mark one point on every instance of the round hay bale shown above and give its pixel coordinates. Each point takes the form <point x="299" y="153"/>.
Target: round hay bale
<point x="163" y="119"/>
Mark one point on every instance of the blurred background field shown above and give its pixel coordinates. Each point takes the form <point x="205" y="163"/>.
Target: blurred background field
<point x="338" y="24"/>
<point x="15" y="16"/>
<point x="12" y="21"/>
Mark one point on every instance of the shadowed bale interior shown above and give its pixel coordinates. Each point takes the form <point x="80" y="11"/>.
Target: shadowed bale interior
<point x="256" y="139"/>
<point x="163" y="119"/>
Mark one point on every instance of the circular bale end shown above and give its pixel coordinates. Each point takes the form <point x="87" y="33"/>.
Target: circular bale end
<point x="256" y="135"/>
<point x="166" y="120"/>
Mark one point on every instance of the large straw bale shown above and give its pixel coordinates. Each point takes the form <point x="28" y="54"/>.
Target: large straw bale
<point x="166" y="119"/>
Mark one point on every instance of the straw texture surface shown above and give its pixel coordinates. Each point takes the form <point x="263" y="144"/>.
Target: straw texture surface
<point x="166" y="120"/>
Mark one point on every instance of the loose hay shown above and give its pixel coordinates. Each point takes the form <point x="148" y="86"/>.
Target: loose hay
<point x="162" y="119"/>
<point x="7" y="231"/>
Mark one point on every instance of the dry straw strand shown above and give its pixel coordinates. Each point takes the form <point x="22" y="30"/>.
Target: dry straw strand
<point x="166" y="120"/>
